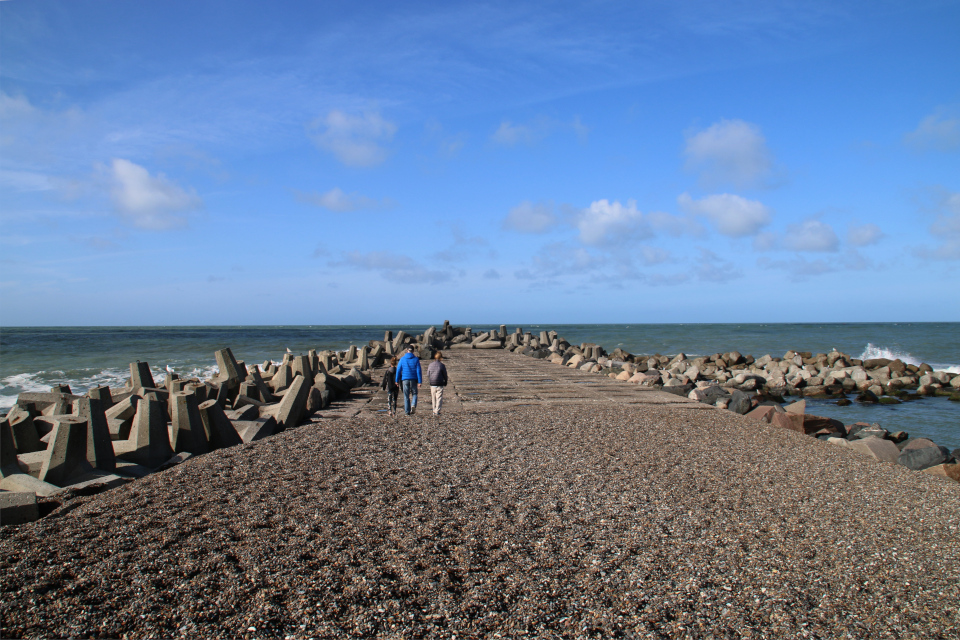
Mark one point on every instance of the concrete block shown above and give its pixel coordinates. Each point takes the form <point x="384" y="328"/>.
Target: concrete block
<point x="229" y="369"/>
<point x="22" y="482"/>
<point x="301" y="366"/>
<point x="132" y="469"/>
<point x="140" y="376"/>
<point x="149" y="443"/>
<point x="42" y="400"/>
<point x="264" y="390"/>
<point x="221" y="430"/>
<point x="249" y="390"/>
<point x="222" y="396"/>
<point x="66" y="455"/>
<point x="124" y="409"/>
<point x="103" y="395"/>
<point x="243" y="401"/>
<point x="31" y="463"/>
<point x="797" y="408"/>
<point x="24" y="433"/>
<point x="95" y="481"/>
<point x="119" y="429"/>
<point x="399" y="341"/>
<point x="248" y="412"/>
<point x="186" y="426"/>
<point x="364" y="358"/>
<point x="8" y="450"/>
<point x="314" y="399"/>
<point x="293" y="405"/>
<point x="99" y="441"/>
<point x="282" y="379"/>
<point x="18" y="507"/>
<point x="61" y="407"/>
<point x="256" y="429"/>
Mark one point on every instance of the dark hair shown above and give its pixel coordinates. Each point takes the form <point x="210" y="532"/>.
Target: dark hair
<point x="438" y="355"/>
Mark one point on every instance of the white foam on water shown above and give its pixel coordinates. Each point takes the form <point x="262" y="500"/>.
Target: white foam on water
<point x="41" y="381"/>
<point x="872" y="351"/>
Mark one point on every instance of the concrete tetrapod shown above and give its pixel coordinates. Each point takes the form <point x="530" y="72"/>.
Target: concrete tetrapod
<point x="188" y="433"/>
<point x="149" y="442"/>
<point x="8" y="451"/>
<point x="293" y="404"/>
<point x="215" y="421"/>
<point x="99" y="445"/>
<point x="66" y="454"/>
<point x="25" y="436"/>
<point x="140" y="376"/>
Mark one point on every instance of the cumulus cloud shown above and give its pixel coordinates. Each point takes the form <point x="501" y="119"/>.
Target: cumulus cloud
<point x="811" y="235"/>
<point x="939" y="131"/>
<point x="149" y="202"/>
<point x="729" y="152"/>
<point x="337" y="200"/>
<point x="355" y="140"/>
<point x="732" y="215"/>
<point x="864" y="235"/>
<point x="712" y="268"/>
<point x="529" y="217"/>
<point x="491" y="274"/>
<point x="605" y="222"/>
<point x="393" y="267"/>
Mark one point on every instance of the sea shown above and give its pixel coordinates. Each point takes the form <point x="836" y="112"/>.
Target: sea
<point x="35" y="358"/>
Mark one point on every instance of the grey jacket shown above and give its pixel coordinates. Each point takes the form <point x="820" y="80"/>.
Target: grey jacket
<point x="437" y="374"/>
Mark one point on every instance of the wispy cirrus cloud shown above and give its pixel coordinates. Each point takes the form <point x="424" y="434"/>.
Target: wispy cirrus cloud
<point x="531" y="217"/>
<point x="337" y="200"/>
<point x="392" y="266"/>
<point x="509" y="134"/>
<point x="356" y="140"/>
<point x="939" y="131"/>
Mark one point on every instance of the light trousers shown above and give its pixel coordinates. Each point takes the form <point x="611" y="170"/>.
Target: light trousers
<point x="436" y="396"/>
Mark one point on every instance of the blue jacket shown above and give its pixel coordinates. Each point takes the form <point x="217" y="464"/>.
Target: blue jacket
<point x="409" y="369"/>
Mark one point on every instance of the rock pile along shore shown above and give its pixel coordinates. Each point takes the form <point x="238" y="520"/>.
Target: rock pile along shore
<point x="670" y="518"/>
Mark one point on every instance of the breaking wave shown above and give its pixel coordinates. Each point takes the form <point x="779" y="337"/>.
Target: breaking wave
<point x="872" y="351"/>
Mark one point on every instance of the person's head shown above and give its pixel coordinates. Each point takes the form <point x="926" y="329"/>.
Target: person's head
<point x="438" y="355"/>
<point x="410" y="348"/>
<point x="394" y="361"/>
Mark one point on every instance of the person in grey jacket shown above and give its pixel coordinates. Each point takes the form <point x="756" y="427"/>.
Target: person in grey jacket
<point x="437" y="375"/>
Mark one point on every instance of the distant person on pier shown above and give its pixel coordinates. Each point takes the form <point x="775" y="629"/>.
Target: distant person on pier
<point x="437" y="375"/>
<point x="410" y="377"/>
<point x="390" y="384"/>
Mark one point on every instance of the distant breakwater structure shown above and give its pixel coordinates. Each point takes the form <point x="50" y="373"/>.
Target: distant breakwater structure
<point x="56" y="445"/>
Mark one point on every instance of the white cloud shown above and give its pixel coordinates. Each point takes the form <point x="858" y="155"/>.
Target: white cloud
<point x="605" y="222"/>
<point x="732" y="215"/>
<point x="674" y="225"/>
<point x="653" y="255"/>
<point x="766" y="241"/>
<point x="946" y="228"/>
<point x="528" y="217"/>
<point x="864" y="235"/>
<point x="491" y="274"/>
<point x="337" y="200"/>
<point x="355" y="140"/>
<point x="729" y="151"/>
<point x="940" y="131"/>
<point x="393" y="267"/>
<point x="149" y="202"/>
<point x="713" y="268"/>
<point x="509" y="134"/>
<point x="811" y="235"/>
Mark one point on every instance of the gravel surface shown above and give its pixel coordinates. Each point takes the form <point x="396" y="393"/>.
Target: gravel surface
<point x="551" y="521"/>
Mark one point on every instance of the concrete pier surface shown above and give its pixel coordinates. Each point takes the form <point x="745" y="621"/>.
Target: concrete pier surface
<point x="543" y="502"/>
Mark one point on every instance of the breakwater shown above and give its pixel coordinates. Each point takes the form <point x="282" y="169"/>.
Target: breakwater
<point x="56" y="441"/>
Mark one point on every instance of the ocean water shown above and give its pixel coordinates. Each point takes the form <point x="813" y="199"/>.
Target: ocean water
<point x="33" y="359"/>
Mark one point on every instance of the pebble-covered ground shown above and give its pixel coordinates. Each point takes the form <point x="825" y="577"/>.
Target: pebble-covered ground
<point x="550" y="521"/>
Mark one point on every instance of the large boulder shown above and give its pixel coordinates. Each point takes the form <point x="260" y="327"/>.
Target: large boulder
<point x="877" y="448"/>
<point x="740" y="402"/>
<point x="919" y="459"/>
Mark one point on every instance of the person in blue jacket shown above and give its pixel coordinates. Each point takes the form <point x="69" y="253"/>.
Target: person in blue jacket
<point x="410" y="378"/>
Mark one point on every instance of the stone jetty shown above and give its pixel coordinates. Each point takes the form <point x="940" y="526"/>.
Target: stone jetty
<point x="564" y="491"/>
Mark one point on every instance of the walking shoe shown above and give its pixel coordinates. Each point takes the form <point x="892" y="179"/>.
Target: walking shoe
<point x="413" y="409"/>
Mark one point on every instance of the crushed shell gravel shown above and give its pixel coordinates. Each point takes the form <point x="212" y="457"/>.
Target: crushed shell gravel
<point x="567" y="522"/>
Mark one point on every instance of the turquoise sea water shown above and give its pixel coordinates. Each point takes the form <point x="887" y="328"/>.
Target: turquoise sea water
<point x="33" y="359"/>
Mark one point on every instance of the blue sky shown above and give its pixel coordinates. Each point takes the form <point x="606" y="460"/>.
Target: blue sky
<point x="325" y="163"/>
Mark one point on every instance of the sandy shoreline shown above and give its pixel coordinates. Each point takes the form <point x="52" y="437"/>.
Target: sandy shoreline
<point x="557" y="520"/>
